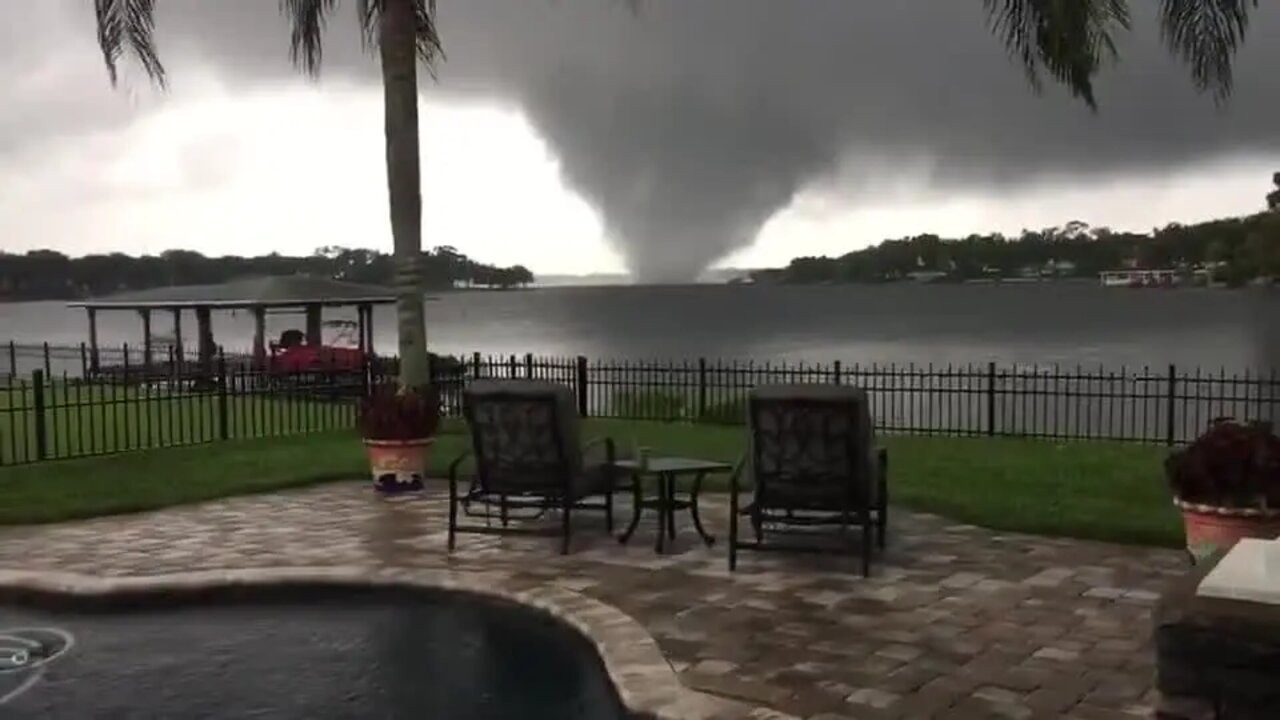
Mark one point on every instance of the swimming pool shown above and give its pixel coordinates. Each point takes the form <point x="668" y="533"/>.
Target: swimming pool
<point x="299" y="651"/>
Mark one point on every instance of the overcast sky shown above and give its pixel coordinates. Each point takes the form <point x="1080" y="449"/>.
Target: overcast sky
<point x="573" y="137"/>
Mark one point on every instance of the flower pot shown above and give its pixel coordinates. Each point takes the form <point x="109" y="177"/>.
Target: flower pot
<point x="1211" y="528"/>
<point x="398" y="466"/>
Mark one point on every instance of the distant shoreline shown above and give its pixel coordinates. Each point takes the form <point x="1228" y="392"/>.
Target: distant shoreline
<point x="435" y="294"/>
<point x="429" y="294"/>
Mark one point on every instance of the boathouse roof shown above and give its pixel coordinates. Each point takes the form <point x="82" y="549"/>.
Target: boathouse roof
<point x="267" y="291"/>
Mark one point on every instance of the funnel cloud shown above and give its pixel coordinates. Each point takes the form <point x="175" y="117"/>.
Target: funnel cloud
<point x="688" y="125"/>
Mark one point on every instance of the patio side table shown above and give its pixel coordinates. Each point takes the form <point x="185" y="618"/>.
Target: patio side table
<point x="666" y="470"/>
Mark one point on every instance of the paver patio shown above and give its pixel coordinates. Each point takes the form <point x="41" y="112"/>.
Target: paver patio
<point x="956" y="621"/>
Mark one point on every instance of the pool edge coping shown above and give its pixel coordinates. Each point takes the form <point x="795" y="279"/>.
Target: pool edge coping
<point x="645" y="682"/>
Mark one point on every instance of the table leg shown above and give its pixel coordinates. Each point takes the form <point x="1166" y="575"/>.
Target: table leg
<point x="637" y="502"/>
<point x="671" y="507"/>
<point x="693" y="510"/>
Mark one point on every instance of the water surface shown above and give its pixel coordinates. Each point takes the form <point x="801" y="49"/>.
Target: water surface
<point x="443" y="656"/>
<point x="1013" y="324"/>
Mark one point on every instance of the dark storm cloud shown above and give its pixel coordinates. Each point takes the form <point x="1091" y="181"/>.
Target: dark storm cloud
<point x="691" y="123"/>
<point x="46" y="94"/>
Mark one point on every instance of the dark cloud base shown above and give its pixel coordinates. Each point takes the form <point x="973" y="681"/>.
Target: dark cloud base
<point x="689" y="124"/>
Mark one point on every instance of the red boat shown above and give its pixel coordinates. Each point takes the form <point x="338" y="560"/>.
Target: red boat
<point x="341" y="354"/>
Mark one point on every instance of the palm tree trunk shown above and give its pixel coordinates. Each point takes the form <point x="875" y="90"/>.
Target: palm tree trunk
<point x="397" y="44"/>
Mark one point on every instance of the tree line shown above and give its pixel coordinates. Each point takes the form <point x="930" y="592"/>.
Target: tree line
<point x="50" y="275"/>
<point x="1234" y="251"/>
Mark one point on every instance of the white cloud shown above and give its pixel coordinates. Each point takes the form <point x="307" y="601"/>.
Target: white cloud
<point x="281" y="165"/>
<point x="291" y="169"/>
<point x="819" y="223"/>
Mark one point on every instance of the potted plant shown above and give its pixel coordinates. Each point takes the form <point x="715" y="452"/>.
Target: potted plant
<point x="1227" y="485"/>
<point x="398" y="426"/>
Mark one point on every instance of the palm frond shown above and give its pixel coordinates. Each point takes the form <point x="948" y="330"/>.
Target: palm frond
<point x="128" y="27"/>
<point x="1068" y="39"/>
<point x="1205" y="34"/>
<point x="307" y="19"/>
<point x="430" y="50"/>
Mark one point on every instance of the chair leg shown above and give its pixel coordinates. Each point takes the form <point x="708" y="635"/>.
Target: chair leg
<point x="733" y="523"/>
<point x="566" y="526"/>
<point x="608" y="510"/>
<point x="453" y="512"/>
<point x="882" y="514"/>
<point x="867" y="547"/>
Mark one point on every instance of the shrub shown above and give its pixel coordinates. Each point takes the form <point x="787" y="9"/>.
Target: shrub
<point x="391" y="413"/>
<point x="1232" y="464"/>
<point x="648" y="405"/>
<point x="728" y="412"/>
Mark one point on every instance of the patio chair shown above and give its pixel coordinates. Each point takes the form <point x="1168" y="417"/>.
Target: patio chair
<point x="525" y="440"/>
<point x="813" y="462"/>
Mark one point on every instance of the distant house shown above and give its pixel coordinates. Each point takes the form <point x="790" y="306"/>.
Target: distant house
<point x="926" y="276"/>
<point x="1139" y="278"/>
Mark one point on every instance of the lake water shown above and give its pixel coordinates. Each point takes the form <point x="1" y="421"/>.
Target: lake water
<point x="1012" y="324"/>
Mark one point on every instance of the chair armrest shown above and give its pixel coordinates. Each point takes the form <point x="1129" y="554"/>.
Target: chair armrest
<point x="457" y="463"/>
<point x="610" y="450"/>
<point x="735" y="478"/>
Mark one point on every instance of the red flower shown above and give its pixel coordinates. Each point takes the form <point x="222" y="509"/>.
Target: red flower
<point x="1230" y="465"/>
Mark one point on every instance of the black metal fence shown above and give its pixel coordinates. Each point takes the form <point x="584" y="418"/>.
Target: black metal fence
<point x="54" y="405"/>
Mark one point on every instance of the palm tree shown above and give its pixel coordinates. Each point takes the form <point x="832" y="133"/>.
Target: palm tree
<point x="1070" y="40"/>
<point x="403" y="31"/>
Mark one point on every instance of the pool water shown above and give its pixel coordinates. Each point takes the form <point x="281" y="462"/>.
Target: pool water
<point x="336" y="654"/>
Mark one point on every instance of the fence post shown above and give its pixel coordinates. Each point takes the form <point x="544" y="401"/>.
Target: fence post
<point x="1170" y="392"/>
<point x="13" y="359"/>
<point x="42" y="441"/>
<point x="836" y="372"/>
<point x="991" y="398"/>
<point x="84" y="362"/>
<point x="511" y="367"/>
<point x="475" y="362"/>
<point x="224" y="432"/>
<point x="528" y="365"/>
<point x="48" y="368"/>
<point x="125" y="348"/>
<point x="582" y="386"/>
<point x="702" y="387"/>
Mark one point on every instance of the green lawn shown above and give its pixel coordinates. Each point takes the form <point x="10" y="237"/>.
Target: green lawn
<point x="95" y="419"/>
<point x="1096" y="490"/>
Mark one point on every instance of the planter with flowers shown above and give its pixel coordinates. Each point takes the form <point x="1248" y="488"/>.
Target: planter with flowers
<point x="1227" y="485"/>
<point x="398" y="427"/>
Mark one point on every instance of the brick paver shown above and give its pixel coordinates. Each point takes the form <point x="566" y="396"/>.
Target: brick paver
<point x="956" y="621"/>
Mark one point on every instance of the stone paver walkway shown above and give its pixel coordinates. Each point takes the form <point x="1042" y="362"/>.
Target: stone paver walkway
<point x="956" y="622"/>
